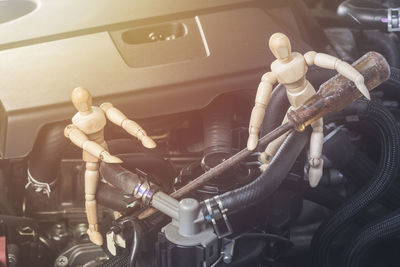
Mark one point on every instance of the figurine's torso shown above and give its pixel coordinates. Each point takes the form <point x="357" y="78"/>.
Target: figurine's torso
<point x="93" y="126"/>
<point x="90" y="123"/>
<point x="292" y="74"/>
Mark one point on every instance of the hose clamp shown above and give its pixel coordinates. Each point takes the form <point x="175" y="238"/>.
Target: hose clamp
<point x="216" y="214"/>
<point x="393" y="19"/>
<point x="145" y="192"/>
<point x="39" y="187"/>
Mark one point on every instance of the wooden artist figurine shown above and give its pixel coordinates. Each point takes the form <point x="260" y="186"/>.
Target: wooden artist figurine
<point x="290" y="69"/>
<point x="87" y="132"/>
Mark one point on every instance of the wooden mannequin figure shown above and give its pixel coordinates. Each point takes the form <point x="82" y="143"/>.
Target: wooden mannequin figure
<point x="87" y="132"/>
<point x="290" y="69"/>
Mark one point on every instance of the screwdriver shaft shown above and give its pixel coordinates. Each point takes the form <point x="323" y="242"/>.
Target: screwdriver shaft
<point x="217" y="170"/>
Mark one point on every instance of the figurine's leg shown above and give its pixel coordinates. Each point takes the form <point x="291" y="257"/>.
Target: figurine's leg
<point x="272" y="147"/>
<point x="91" y="181"/>
<point x="316" y="162"/>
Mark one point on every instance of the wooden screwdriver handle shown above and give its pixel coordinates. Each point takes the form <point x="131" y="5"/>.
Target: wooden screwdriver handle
<point x="338" y="92"/>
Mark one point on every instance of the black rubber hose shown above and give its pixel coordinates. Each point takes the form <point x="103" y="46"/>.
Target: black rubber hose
<point x="357" y="16"/>
<point x="217" y="129"/>
<point x="385" y="44"/>
<point x="388" y="132"/>
<point x="137" y="232"/>
<point x="119" y="177"/>
<point x="161" y="171"/>
<point x="135" y="156"/>
<point x="271" y="179"/>
<point x="370" y="235"/>
<point x="324" y="197"/>
<point x="275" y="111"/>
<point x="111" y="197"/>
<point x="356" y="166"/>
<point x="45" y="157"/>
<point x="394" y="76"/>
<point x="394" y="83"/>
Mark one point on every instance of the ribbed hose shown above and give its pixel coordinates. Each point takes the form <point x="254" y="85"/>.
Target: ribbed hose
<point x="45" y="158"/>
<point x="271" y="179"/>
<point x="394" y="76"/>
<point x="217" y="128"/>
<point x="388" y="132"/>
<point x="370" y="235"/>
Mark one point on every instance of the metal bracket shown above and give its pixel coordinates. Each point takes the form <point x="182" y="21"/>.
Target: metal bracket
<point x="216" y="214"/>
<point x="45" y="188"/>
<point x="27" y="231"/>
<point x="228" y="246"/>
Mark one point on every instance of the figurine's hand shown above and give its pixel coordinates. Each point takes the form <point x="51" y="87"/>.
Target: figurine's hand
<point x="315" y="172"/>
<point x="135" y="130"/>
<point x="252" y="142"/>
<point x="265" y="158"/>
<point x="108" y="158"/>
<point x="359" y="82"/>
<point x="148" y="142"/>
<point x="315" y="162"/>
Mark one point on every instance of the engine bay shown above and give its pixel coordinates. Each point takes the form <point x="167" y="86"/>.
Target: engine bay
<point x="177" y="85"/>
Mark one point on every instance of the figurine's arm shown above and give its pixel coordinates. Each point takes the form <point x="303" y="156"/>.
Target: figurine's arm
<point x="81" y="140"/>
<point x="345" y="69"/>
<point x="257" y="114"/>
<point x="130" y="126"/>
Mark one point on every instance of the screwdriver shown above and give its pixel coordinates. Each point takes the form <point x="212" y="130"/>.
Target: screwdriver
<point x="333" y="95"/>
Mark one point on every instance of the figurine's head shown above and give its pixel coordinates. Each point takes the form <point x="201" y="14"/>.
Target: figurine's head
<point x="82" y="100"/>
<point x="280" y="46"/>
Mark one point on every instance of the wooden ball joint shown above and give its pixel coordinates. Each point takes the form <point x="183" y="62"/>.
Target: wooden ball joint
<point x="290" y="69"/>
<point x="87" y="132"/>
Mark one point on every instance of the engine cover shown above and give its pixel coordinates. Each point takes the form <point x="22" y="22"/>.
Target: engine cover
<point x="145" y="58"/>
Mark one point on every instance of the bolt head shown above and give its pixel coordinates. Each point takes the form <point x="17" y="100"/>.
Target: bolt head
<point x="62" y="261"/>
<point x="227" y="258"/>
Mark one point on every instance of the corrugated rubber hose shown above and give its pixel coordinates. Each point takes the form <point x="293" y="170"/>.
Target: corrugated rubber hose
<point x="383" y="229"/>
<point x="388" y="132"/>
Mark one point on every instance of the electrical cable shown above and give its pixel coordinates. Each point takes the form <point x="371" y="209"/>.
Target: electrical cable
<point x="136" y="240"/>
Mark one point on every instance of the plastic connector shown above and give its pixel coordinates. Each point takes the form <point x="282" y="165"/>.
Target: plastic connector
<point x="393" y="18"/>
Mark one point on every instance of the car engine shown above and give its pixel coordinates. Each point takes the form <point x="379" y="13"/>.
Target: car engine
<point x="187" y="73"/>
